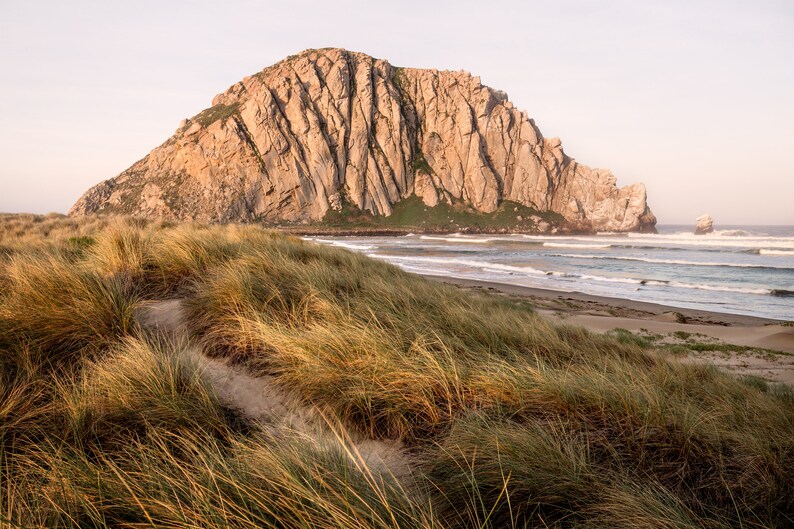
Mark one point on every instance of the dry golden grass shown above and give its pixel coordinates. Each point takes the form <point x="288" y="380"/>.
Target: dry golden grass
<point x="510" y="421"/>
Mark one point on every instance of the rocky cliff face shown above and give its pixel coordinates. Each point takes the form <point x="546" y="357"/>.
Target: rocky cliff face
<point x="331" y="127"/>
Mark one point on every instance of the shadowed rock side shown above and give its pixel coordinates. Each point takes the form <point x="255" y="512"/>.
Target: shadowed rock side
<point x="329" y="128"/>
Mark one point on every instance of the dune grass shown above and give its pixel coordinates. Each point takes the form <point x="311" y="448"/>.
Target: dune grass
<point x="508" y="420"/>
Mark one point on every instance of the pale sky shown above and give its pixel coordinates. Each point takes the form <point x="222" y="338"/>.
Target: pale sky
<point x="693" y="98"/>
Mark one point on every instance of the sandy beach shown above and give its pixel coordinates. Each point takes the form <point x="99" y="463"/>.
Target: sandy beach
<point x="745" y="345"/>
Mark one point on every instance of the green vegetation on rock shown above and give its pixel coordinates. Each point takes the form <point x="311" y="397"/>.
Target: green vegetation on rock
<point x="398" y="78"/>
<point x="420" y="164"/>
<point x="215" y="113"/>
<point x="412" y="213"/>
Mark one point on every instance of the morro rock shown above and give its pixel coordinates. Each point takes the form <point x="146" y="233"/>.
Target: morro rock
<point x="329" y="129"/>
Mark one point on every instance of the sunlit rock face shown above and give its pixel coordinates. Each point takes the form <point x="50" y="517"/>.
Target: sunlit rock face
<point x="704" y="224"/>
<point x="331" y="127"/>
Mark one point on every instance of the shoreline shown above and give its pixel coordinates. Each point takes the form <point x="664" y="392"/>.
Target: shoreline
<point x="745" y="345"/>
<point x="636" y="308"/>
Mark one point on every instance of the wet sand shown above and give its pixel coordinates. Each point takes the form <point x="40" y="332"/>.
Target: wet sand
<point x="771" y="342"/>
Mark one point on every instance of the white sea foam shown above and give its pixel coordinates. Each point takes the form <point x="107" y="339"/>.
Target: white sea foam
<point x="584" y="246"/>
<point x="455" y="239"/>
<point x="483" y="265"/>
<point x="606" y="279"/>
<point x="721" y="288"/>
<point x="423" y="270"/>
<point x="776" y="252"/>
<point x="415" y="264"/>
<point x="667" y="261"/>
<point x="674" y="284"/>
<point x="680" y="240"/>
<point x="727" y="238"/>
<point x="348" y="245"/>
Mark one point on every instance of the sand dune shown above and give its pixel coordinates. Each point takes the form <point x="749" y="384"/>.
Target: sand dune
<point x="261" y="400"/>
<point x="775" y="362"/>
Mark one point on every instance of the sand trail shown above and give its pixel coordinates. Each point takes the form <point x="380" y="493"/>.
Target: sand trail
<point x="262" y="401"/>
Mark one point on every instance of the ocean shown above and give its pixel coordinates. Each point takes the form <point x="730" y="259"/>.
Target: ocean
<point x="737" y="269"/>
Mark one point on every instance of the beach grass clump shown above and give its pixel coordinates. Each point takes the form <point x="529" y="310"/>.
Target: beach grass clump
<point x="140" y="386"/>
<point x="26" y="231"/>
<point x="141" y="439"/>
<point x="505" y="419"/>
<point x="619" y="438"/>
<point x="64" y="311"/>
<point x="190" y="481"/>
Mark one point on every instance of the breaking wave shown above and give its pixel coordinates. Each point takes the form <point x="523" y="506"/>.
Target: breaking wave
<point x="512" y="269"/>
<point x="667" y="261"/>
<point x="776" y="252"/>
<point x="342" y="244"/>
<point x="585" y="246"/>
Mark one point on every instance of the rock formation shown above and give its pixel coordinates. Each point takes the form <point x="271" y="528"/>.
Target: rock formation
<point x="704" y="224"/>
<point x="332" y="128"/>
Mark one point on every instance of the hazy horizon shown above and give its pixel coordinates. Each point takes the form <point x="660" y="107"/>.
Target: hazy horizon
<point x="692" y="99"/>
